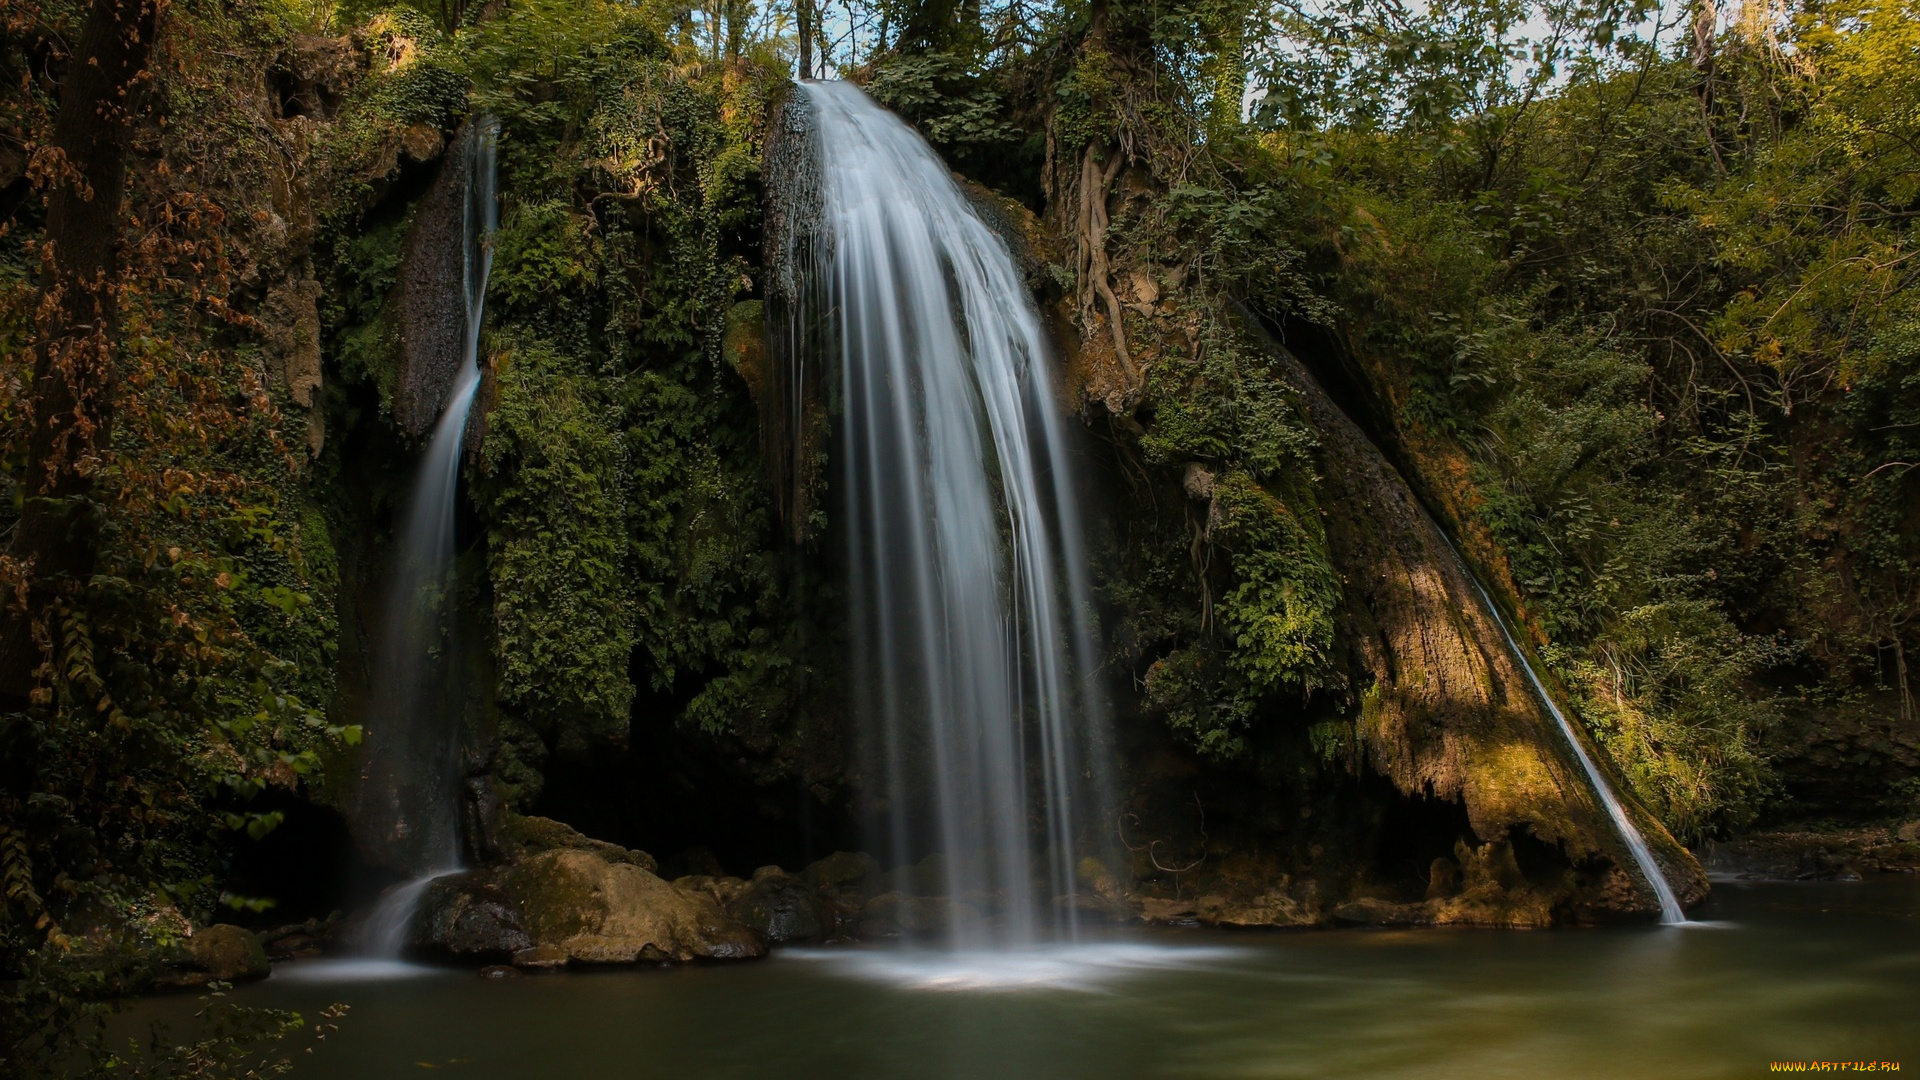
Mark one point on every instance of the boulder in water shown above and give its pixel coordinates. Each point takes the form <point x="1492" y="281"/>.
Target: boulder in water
<point x="469" y="916"/>
<point x="572" y="906"/>
<point x="842" y="870"/>
<point x="722" y="890"/>
<point x="223" y="953"/>
<point x="598" y="912"/>
<point x="841" y="884"/>
<point x="523" y="834"/>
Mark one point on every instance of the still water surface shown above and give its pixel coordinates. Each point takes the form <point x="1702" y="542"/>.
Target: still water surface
<point x="1794" y="971"/>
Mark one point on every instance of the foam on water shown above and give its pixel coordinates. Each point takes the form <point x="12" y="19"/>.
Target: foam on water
<point x="1082" y="966"/>
<point x="351" y="969"/>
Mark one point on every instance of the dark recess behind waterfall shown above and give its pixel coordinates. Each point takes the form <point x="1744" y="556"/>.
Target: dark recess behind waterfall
<point x="690" y="804"/>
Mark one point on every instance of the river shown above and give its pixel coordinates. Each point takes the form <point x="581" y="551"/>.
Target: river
<point x="1806" y="971"/>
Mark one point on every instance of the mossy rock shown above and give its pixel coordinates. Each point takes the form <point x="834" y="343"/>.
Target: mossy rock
<point x="842" y="870"/>
<point x="599" y="912"/>
<point x="779" y="907"/>
<point x="525" y="835"/>
<point x="228" y="953"/>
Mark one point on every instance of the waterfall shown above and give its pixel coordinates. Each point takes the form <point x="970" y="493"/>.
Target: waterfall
<point x="410" y="792"/>
<point x="1671" y="913"/>
<point x="974" y="654"/>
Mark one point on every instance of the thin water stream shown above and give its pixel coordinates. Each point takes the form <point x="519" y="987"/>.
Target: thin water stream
<point x="1799" y="971"/>
<point x="410" y="793"/>
<point x="1671" y="913"/>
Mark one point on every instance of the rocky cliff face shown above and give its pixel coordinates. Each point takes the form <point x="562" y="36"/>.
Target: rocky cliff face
<point x="1450" y="760"/>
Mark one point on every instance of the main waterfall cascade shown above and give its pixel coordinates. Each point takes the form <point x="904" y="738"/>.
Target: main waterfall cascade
<point x="974" y="649"/>
<point x="410" y="787"/>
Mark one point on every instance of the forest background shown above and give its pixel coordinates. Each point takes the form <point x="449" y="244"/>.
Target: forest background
<point x="1629" y="292"/>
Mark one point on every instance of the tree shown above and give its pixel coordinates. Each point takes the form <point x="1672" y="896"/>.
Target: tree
<point x="83" y="170"/>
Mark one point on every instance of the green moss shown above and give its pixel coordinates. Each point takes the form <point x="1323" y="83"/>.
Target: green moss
<point x="562" y="606"/>
<point x="1280" y="610"/>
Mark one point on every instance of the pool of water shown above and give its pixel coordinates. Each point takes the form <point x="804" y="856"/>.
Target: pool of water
<point x="1811" y="971"/>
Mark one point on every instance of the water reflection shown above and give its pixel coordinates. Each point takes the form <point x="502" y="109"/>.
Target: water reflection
<point x="1807" y="971"/>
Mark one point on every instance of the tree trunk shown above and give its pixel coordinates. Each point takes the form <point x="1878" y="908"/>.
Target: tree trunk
<point x="803" y="17"/>
<point x="85" y="171"/>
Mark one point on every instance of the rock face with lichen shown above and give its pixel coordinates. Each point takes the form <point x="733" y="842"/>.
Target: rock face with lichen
<point x="1449" y="712"/>
<point x="433" y="290"/>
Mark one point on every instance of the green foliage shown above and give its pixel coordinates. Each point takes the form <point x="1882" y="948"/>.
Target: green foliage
<point x="1658" y="335"/>
<point x="562" y="608"/>
<point x="1280" y="610"/>
<point x="1670" y="691"/>
<point x="181" y="676"/>
<point x="953" y="106"/>
<point x="620" y="477"/>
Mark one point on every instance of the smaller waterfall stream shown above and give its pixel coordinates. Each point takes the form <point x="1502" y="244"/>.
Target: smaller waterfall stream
<point x="1671" y="913"/>
<point x="413" y="751"/>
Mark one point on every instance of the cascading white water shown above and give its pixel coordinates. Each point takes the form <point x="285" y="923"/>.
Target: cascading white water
<point x="974" y="648"/>
<point x="1671" y="913"/>
<point x="413" y="750"/>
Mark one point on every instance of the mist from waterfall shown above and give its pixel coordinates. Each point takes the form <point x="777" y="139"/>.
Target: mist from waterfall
<point x="410" y="787"/>
<point x="974" y="650"/>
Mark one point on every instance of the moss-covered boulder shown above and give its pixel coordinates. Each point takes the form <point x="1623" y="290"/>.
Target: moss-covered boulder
<point x="579" y="908"/>
<point x="574" y="905"/>
<point x="225" y="954"/>
<point x="523" y="835"/>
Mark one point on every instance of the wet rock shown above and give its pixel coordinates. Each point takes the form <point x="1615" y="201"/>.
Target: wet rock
<point x="298" y="940"/>
<point x="499" y="971"/>
<point x="290" y="319"/>
<point x="1274" y="908"/>
<point x="1817" y="864"/>
<point x="892" y="915"/>
<point x="1787" y="855"/>
<point x="1092" y="875"/>
<point x="745" y="346"/>
<point x="228" y="953"/>
<point x="928" y="877"/>
<point x="1167" y="912"/>
<point x="422" y="142"/>
<point x="779" y="908"/>
<point x="484" y="817"/>
<point x="469" y="916"/>
<point x="1198" y="482"/>
<point x="842" y="883"/>
<point x="723" y="890"/>
<point x="541" y="958"/>
<point x="572" y="906"/>
<point x="432" y="298"/>
<point x="1494" y="892"/>
<point x="1443" y="878"/>
<point x="696" y="862"/>
<point x="842" y="870"/>
<point x="576" y="905"/>
<point x="521" y="835"/>
<point x="1375" y="912"/>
